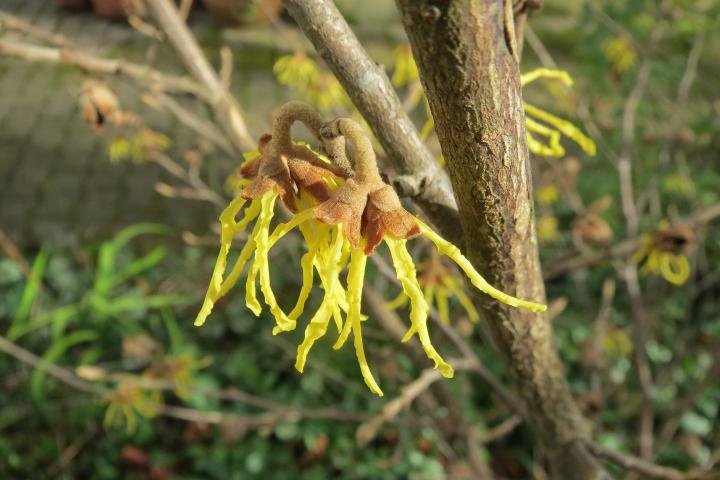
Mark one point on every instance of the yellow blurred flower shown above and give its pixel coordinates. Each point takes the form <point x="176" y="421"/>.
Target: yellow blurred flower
<point x="128" y="401"/>
<point x="664" y="252"/>
<point x="315" y="85"/>
<point x="137" y="146"/>
<point x="548" y="194"/>
<point x="540" y="122"/>
<point x="616" y="342"/>
<point x="405" y="71"/>
<point x="439" y="285"/>
<point x="620" y="53"/>
<point x="177" y="370"/>
<point x="547" y="229"/>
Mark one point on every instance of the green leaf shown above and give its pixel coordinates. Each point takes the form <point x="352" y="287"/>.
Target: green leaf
<point x="56" y="350"/>
<point x="32" y="288"/>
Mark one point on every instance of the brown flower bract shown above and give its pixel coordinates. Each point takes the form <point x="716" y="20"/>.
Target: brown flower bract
<point x="288" y="170"/>
<point x="370" y="210"/>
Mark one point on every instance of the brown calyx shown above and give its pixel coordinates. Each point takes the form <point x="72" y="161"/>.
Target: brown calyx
<point x="286" y="167"/>
<point x="677" y="240"/>
<point x="432" y="271"/>
<point x="364" y="205"/>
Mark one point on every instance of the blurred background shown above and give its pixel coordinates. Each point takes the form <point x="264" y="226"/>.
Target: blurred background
<point x="110" y="191"/>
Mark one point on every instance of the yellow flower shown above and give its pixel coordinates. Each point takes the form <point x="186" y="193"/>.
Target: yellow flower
<point x="664" y="251"/>
<point x="128" y="401"/>
<point x="177" y="370"/>
<point x="439" y="285"/>
<point x="547" y="228"/>
<point x="138" y="146"/>
<point x="317" y="86"/>
<point x="620" y="52"/>
<point x="405" y="72"/>
<point x="552" y="127"/>
<point x="548" y="194"/>
<point x="340" y="225"/>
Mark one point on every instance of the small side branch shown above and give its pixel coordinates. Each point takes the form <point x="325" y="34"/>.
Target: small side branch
<point x="225" y="107"/>
<point x="636" y="464"/>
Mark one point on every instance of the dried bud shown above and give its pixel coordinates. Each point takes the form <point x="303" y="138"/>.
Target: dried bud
<point x="676" y="240"/>
<point x="98" y="104"/>
<point x="592" y="230"/>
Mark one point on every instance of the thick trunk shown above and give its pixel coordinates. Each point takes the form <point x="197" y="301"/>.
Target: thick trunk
<point x="464" y="51"/>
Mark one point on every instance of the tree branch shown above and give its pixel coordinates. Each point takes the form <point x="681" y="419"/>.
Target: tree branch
<point x="471" y="77"/>
<point x="225" y="107"/>
<point x="90" y="63"/>
<point x="370" y="90"/>
<point x="636" y="464"/>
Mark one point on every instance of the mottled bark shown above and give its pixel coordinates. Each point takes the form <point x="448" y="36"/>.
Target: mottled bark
<point x="466" y="58"/>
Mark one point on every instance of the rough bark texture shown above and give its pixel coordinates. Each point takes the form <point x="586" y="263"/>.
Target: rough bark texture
<point x="464" y="51"/>
<point x="370" y="90"/>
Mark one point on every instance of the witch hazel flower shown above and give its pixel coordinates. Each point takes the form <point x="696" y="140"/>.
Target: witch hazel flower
<point x="344" y="211"/>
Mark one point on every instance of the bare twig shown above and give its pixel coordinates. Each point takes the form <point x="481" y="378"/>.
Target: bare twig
<point x="636" y="464"/>
<point x="199" y="190"/>
<point x="196" y="123"/>
<point x="11" y="23"/>
<point x="368" y="430"/>
<point x="227" y="110"/>
<point x="499" y="431"/>
<point x="51" y="369"/>
<point x="91" y="63"/>
<point x="622" y="249"/>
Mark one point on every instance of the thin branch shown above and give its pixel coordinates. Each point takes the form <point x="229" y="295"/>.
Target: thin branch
<point x="636" y="464"/>
<point x="373" y="95"/>
<point x="12" y="251"/>
<point x="622" y="249"/>
<point x="59" y="373"/>
<point x="194" y="122"/>
<point x="225" y="107"/>
<point x="368" y="430"/>
<point x="11" y="23"/>
<point x="91" y="63"/>
<point x="499" y="431"/>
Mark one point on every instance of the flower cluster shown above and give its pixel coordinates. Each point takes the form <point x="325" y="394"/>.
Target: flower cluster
<point x="344" y="211"/>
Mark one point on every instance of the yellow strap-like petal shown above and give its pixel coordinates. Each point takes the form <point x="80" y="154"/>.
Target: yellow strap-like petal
<point x="329" y="272"/>
<point x="356" y="275"/>
<point x="553" y="149"/>
<point x="227" y="231"/>
<point x="549" y="73"/>
<point x="355" y="280"/>
<point x="567" y="128"/>
<point x="674" y="268"/>
<point x="399" y="301"/>
<point x="447" y="248"/>
<point x="312" y="237"/>
<point x="454" y="286"/>
<point x="443" y="307"/>
<point x="405" y="269"/>
<point x="261" y="237"/>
